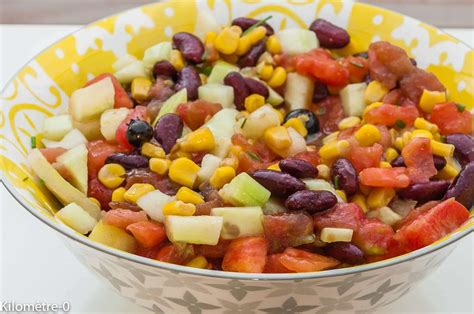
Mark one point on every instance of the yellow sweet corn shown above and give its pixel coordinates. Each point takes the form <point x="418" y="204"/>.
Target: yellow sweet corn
<point x="368" y="135"/>
<point x="406" y="138"/>
<point x="280" y="114"/>
<point x="375" y="92"/>
<point x="256" y="34"/>
<point x="39" y="140"/>
<point x="187" y="195"/>
<point x="159" y="165"/>
<point x="334" y="150"/>
<point x="253" y="102"/>
<point x="323" y="171"/>
<point x="371" y="106"/>
<point x="391" y="154"/>
<point x="140" y="87"/>
<point x="273" y="45"/>
<point x="393" y="134"/>
<point x="136" y="191"/>
<point x="210" y="38"/>
<point x="360" y="200"/>
<point x="421" y="133"/>
<point x="152" y="151"/>
<point x="244" y="45"/>
<point x="447" y="173"/>
<point x="442" y="149"/>
<point x="348" y="122"/>
<point x="423" y="124"/>
<point x="437" y="137"/>
<point x="179" y="208"/>
<point x="274" y="166"/>
<point x="264" y="71"/>
<point x="96" y="201"/>
<point x="198" y="262"/>
<point x="277" y="138"/>
<point x="200" y="140"/>
<point x="278" y="77"/>
<point x="342" y="195"/>
<point x="429" y="99"/>
<point x="380" y="197"/>
<point x="184" y="171"/>
<point x="176" y="59"/>
<point x="222" y="176"/>
<point x="111" y="175"/>
<point x="398" y="143"/>
<point x="384" y="164"/>
<point x="298" y="125"/>
<point x="330" y="138"/>
<point x="236" y="29"/>
<point x="227" y="41"/>
<point x="117" y="195"/>
<point x="235" y="149"/>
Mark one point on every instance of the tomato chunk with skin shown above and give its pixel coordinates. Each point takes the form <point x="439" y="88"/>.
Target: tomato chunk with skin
<point x="388" y="115"/>
<point x="373" y="237"/>
<point x="310" y="156"/>
<point x="98" y="151"/>
<point x="121" y="98"/>
<point x="274" y="266"/>
<point x="196" y="113"/>
<point x="139" y="112"/>
<point x="175" y="253"/>
<point x="329" y="112"/>
<point x="432" y="225"/>
<point x="414" y="213"/>
<point x="122" y="218"/>
<point x="365" y="157"/>
<point x="52" y="153"/>
<point x="319" y="64"/>
<point x="147" y="233"/>
<point x="342" y="215"/>
<point x="418" y="158"/>
<point x="246" y="255"/>
<point x="413" y="84"/>
<point x="301" y="261"/>
<point x="451" y="119"/>
<point x="358" y="68"/>
<point x="151" y="252"/>
<point x="385" y="177"/>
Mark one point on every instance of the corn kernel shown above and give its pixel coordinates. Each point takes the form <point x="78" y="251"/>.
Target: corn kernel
<point x="278" y="77"/>
<point x="348" y="122"/>
<point x="201" y="140"/>
<point x="421" y="133"/>
<point x="393" y="134"/>
<point x="297" y="125"/>
<point x="266" y="57"/>
<point x="330" y="138"/>
<point x="244" y="45"/>
<point x="398" y="143"/>
<point x="391" y="154"/>
<point x="323" y="171"/>
<point x="384" y="164"/>
<point x="227" y="41"/>
<point x="210" y="38"/>
<point x="375" y="92"/>
<point x="111" y="175"/>
<point x="447" y="173"/>
<point x="136" y="191"/>
<point x="159" y="165"/>
<point x="277" y="138"/>
<point x="280" y="115"/>
<point x="235" y="149"/>
<point x="184" y="171"/>
<point x="275" y="166"/>
<point x="39" y="140"/>
<point x="334" y="150"/>
<point x="253" y="102"/>
<point x="140" y="87"/>
<point x="423" y="124"/>
<point x="187" y="195"/>
<point x="264" y="71"/>
<point x="371" y="106"/>
<point x="117" y="195"/>
<point x="96" y="201"/>
<point x="380" y="197"/>
<point x="222" y="176"/>
<point x="198" y="262"/>
<point x="273" y="45"/>
<point x="236" y="29"/>
<point x="368" y="135"/>
<point x="179" y="208"/>
<point x="429" y="99"/>
<point x="437" y="137"/>
<point x="360" y="200"/>
<point x="152" y="151"/>
<point x="406" y="138"/>
<point x="442" y="149"/>
<point x="256" y="34"/>
<point x="342" y="195"/>
<point x="176" y="59"/>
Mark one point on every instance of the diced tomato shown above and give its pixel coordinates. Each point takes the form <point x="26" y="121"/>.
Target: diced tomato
<point x="288" y="62"/>
<point x="52" y="153"/>
<point x="310" y="156"/>
<point x="365" y="157"/>
<point x="419" y="160"/>
<point x="147" y="233"/>
<point x="98" y="151"/>
<point x="246" y="255"/>
<point x="301" y="261"/>
<point x="386" y="139"/>
<point x="385" y="177"/>
<point x="196" y="113"/>
<point x="175" y="253"/>
<point x="253" y="156"/>
<point x="373" y="237"/>
<point x="393" y="97"/>
<point x="287" y="230"/>
<point x="413" y="84"/>
<point x="342" y="215"/>
<point x="139" y="112"/>
<point x="389" y="115"/>
<point x="122" y="218"/>
<point x="432" y="225"/>
<point x="358" y="68"/>
<point x="394" y="249"/>
<point x="213" y="251"/>
<point x="319" y="64"/>
<point x="248" y="162"/>
<point x="151" y="252"/>
<point x="121" y="97"/>
<point x="451" y="119"/>
<point x="274" y="266"/>
<point x="98" y="191"/>
<point x="414" y="213"/>
<point x="329" y="112"/>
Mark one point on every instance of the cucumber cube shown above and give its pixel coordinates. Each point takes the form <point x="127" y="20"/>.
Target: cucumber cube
<point x="240" y="221"/>
<point x="243" y="190"/>
<point x="194" y="229"/>
<point x="297" y="40"/>
<point x="77" y="218"/>
<point x="353" y="99"/>
<point x="220" y="71"/>
<point x="217" y="93"/>
<point x="159" y="52"/>
<point x="172" y="103"/>
<point x="330" y="235"/>
<point x="298" y="91"/>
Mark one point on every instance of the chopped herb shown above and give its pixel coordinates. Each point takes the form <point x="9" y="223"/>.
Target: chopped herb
<point x="260" y="22"/>
<point x="33" y="141"/>
<point x="321" y="111"/>
<point x="400" y="124"/>
<point x="41" y="181"/>
<point x="336" y="182"/>
<point x="243" y="123"/>
<point x="460" y="107"/>
<point x="254" y="156"/>
<point x="205" y="70"/>
<point x="356" y="64"/>
<point x="25" y="178"/>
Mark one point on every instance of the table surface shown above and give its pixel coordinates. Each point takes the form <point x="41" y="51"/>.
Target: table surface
<point x="36" y="266"/>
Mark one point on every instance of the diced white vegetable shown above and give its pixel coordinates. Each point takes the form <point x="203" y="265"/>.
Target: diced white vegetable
<point x="330" y="235"/>
<point x="297" y="40"/>
<point x="55" y="127"/>
<point x="159" y="52"/>
<point x="75" y="162"/>
<point x="222" y="127"/>
<point x="217" y="93"/>
<point x="220" y="71"/>
<point x="90" y="129"/>
<point x="240" y="221"/>
<point x="77" y="218"/>
<point x="258" y="121"/>
<point x="274" y="206"/>
<point x="205" y="23"/>
<point x="123" y="62"/>
<point x="70" y="140"/>
<point x="298" y="144"/>
<point x="110" y="121"/>
<point x="209" y="165"/>
<point x="170" y="105"/>
<point x="298" y="91"/>
<point x="321" y="185"/>
<point x="274" y="98"/>
<point x="386" y="215"/>
<point x="194" y="229"/>
<point x="89" y="102"/>
<point x="353" y="99"/>
<point x="153" y="202"/>
<point x="114" y="237"/>
<point x="135" y="69"/>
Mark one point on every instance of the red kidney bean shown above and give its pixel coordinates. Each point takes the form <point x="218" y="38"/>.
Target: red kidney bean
<point x="241" y="91"/>
<point x="343" y="172"/>
<point x="244" y="23"/>
<point x="298" y="168"/>
<point x="310" y="201"/>
<point x="345" y="252"/>
<point x="424" y="192"/>
<point x="189" y="78"/>
<point x="398" y="162"/>
<point x="164" y="68"/>
<point x="167" y="130"/>
<point x="190" y="46"/>
<point x="462" y="188"/>
<point x="250" y="58"/>
<point x="256" y="87"/>
<point x="329" y="35"/>
<point x="464" y="147"/>
<point x="439" y="162"/>
<point x="128" y="161"/>
<point x="124" y="205"/>
<point x="279" y="183"/>
<point x="320" y="92"/>
<point x="162" y="183"/>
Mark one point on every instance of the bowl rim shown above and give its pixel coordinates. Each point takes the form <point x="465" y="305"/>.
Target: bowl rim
<point x="69" y="233"/>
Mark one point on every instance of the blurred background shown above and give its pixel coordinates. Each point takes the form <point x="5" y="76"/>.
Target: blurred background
<point x="441" y="13"/>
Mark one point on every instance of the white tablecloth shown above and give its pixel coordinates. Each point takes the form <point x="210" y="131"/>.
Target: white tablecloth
<point x="36" y="266"/>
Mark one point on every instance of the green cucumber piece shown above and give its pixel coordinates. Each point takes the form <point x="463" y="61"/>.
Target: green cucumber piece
<point x="243" y="190"/>
<point x="220" y="71"/>
<point x="172" y="103"/>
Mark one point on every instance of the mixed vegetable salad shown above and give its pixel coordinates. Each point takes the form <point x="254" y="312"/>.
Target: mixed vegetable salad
<point x="257" y="151"/>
